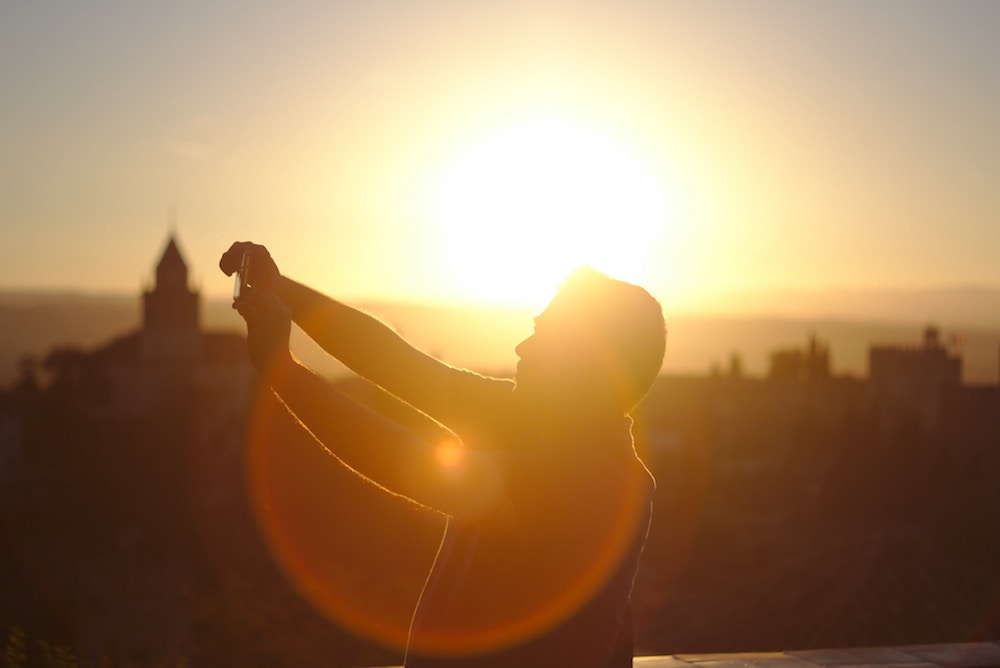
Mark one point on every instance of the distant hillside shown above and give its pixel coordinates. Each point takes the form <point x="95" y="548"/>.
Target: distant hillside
<point x="484" y="339"/>
<point x="959" y="307"/>
<point x="36" y="323"/>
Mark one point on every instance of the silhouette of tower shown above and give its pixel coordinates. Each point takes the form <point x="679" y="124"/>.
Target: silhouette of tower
<point x="171" y="328"/>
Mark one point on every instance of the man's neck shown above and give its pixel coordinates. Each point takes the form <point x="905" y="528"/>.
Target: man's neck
<point x="560" y="421"/>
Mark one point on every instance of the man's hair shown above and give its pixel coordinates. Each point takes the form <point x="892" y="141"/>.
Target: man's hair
<point x="625" y="326"/>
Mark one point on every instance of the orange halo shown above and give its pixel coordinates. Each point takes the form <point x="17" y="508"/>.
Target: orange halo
<point x="360" y="556"/>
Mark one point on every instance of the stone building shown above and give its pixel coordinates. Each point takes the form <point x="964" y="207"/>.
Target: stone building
<point x="172" y="399"/>
<point x="171" y="354"/>
<point x="907" y="384"/>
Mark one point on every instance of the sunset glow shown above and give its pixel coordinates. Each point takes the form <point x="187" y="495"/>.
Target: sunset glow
<point x="431" y="153"/>
<point x="520" y="208"/>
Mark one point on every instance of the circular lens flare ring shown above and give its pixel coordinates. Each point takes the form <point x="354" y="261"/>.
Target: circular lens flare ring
<point x="286" y="467"/>
<point x="573" y="585"/>
<point x="320" y="523"/>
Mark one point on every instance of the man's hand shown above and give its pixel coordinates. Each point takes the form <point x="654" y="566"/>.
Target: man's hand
<point x="269" y="325"/>
<point x="263" y="271"/>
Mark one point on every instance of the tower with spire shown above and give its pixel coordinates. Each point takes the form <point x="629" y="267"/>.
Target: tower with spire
<point x="170" y="323"/>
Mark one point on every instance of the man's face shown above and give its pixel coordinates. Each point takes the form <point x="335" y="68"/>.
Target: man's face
<point x="555" y="359"/>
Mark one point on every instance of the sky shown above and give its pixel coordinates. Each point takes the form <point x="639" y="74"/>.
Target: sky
<point x="476" y="152"/>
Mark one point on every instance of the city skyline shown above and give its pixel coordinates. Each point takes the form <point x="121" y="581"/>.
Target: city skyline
<point x="442" y="153"/>
<point x="221" y="518"/>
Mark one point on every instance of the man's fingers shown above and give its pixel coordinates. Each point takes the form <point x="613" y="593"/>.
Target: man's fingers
<point x="263" y="271"/>
<point x="246" y="307"/>
<point x="230" y="260"/>
<point x="233" y="258"/>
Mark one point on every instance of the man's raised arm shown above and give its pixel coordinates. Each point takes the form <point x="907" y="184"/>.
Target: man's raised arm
<point x="368" y="346"/>
<point x="360" y="341"/>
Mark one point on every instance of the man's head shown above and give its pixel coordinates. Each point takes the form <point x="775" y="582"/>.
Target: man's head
<point x="600" y="340"/>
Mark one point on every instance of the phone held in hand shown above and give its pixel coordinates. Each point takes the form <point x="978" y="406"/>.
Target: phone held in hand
<point x="241" y="276"/>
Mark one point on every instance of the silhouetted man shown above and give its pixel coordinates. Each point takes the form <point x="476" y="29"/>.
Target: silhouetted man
<point x="548" y="505"/>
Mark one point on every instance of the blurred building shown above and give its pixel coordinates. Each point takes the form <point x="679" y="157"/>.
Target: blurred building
<point x="171" y="399"/>
<point x="908" y="384"/>
<point x="10" y="443"/>
<point x="170" y="322"/>
<point x="171" y="357"/>
<point x="811" y="363"/>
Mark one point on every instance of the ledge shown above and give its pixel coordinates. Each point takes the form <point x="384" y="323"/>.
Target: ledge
<point x="956" y="655"/>
<point x="953" y="655"/>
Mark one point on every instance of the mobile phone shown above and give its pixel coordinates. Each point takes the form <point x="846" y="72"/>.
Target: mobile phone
<point x="241" y="276"/>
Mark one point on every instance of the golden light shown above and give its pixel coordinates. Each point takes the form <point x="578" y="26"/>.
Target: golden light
<point x="516" y="211"/>
<point x="358" y="555"/>
<point x="449" y="455"/>
<point x="361" y="556"/>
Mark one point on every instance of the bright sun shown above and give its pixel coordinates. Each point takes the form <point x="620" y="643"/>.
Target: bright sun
<point x="520" y="209"/>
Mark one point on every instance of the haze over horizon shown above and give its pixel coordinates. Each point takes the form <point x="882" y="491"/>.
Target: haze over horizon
<point x="467" y="153"/>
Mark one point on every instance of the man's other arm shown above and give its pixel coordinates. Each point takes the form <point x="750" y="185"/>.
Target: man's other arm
<point x="455" y="483"/>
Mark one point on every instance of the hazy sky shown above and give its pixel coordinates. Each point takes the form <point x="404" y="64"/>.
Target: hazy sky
<point x="460" y="150"/>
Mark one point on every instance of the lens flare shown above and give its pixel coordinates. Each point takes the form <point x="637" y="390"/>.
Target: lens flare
<point x="564" y="576"/>
<point x="449" y="456"/>
<point x="361" y="556"/>
<point x="357" y="554"/>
